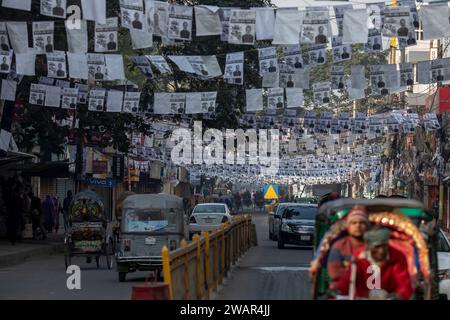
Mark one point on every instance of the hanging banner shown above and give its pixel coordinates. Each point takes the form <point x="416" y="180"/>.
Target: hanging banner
<point x="160" y="18"/>
<point x="97" y="99"/>
<point x="43" y="36"/>
<point x="267" y="60"/>
<point x="375" y="13"/>
<point x="114" y="101"/>
<point x="315" y="27"/>
<point x="341" y="52"/>
<point x="96" y="66"/>
<point x="83" y="90"/>
<point x="106" y="36"/>
<point x="254" y="100"/>
<point x="234" y="68"/>
<point x="406" y="74"/>
<point x="132" y="14"/>
<point x="160" y="63"/>
<point x="78" y="67"/>
<point x="77" y="38"/>
<point x="287" y="26"/>
<point x="358" y="77"/>
<point x="131" y="102"/>
<point x="316" y="54"/>
<point x="337" y="77"/>
<point x="56" y="64"/>
<point x="242" y="27"/>
<point x="144" y="66"/>
<point x="37" y="94"/>
<point x="94" y="10"/>
<point x="322" y="92"/>
<point x="69" y="98"/>
<point x="275" y="98"/>
<point x="265" y="23"/>
<point x="293" y="56"/>
<point x="355" y="20"/>
<point x="18" y="35"/>
<point x="398" y="23"/>
<point x="54" y="8"/>
<point x="374" y="41"/>
<point x="200" y="102"/>
<point x="224" y="15"/>
<point x="378" y="80"/>
<point x="169" y="103"/>
<point x="207" y="21"/>
<point x="294" y="97"/>
<point x="52" y="96"/>
<point x="337" y="24"/>
<point x="180" y="22"/>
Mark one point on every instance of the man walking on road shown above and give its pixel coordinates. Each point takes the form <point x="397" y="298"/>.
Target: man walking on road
<point x="66" y="204"/>
<point x="36" y="216"/>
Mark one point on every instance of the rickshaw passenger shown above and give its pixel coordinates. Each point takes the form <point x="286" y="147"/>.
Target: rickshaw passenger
<point x="357" y="222"/>
<point x="394" y="278"/>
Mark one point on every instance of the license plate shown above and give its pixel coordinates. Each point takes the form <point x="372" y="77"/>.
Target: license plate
<point x="306" y="238"/>
<point x="208" y="220"/>
<point x="150" y="241"/>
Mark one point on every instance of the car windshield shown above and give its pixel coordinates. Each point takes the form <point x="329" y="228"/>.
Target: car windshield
<point x="147" y="221"/>
<point x="300" y="212"/>
<point x="442" y="243"/>
<point x="209" y="209"/>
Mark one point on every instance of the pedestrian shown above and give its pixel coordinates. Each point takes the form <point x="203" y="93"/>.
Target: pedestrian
<point x="58" y="212"/>
<point x="15" y="208"/>
<point x="36" y="217"/>
<point x="65" y="209"/>
<point x="49" y="211"/>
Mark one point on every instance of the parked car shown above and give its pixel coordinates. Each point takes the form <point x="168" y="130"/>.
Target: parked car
<point x="443" y="254"/>
<point x="294" y="223"/>
<point x="208" y="216"/>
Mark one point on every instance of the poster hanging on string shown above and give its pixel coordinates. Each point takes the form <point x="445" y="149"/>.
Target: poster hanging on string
<point x="83" y="90"/>
<point x="77" y="38"/>
<point x="224" y="15"/>
<point x="254" y="100"/>
<point x="56" y="64"/>
<point x="287" y="26"/>
<point x="315" y="27"/>
<point x="378" y="80"/>
<point x="132" y="14"/>
<point x="207" y="21"/>
<point x="52" y="96"/>
<point x="267" y="60"/>
<point x="54" y="8"/>
<point x="374" y="41"/>
<point x="160" y="18"/>
<point x="131" y="102"/>
<point x="43" y="36"/>
<point x="200" y="102"/>
<point x="322" y="92"/>
<point x="180" y="22"/>
<point x="69" y="98"/>
<point x="406" y="74"/>
<point x="96" y="99"/>
<point x="337" y="77"/>
<point x="341" y="52"/>
<point x="160" y="63"/>
<point x="96" y="66"/>
<point x="144" y="66"/>
<point x="5" y="61"/>
<point x="37" y="94"/>
<point x="234" y="68"/>
<point x="114" y="101"/>
<point x="242" y="27"/>
<point x="294" y="97"/>
<point x="293" y="56"/>
<point x="106" y="35"/>
<point x="399" y="23"/>
<point x="275" y="98"/>
<point x="169" y="103"/>
<point x="4" y="43"/>
<point x="376" y="15"/>
<point x="316" y="54"/>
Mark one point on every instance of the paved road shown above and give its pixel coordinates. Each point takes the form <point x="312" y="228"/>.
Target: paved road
<point x="264" y="273"/>
<point x="268" y="273"/>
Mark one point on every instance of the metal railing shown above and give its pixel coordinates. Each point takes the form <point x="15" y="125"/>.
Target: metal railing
<point x="195" y="270"/>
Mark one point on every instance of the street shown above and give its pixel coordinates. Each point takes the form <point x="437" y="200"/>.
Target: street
<point x="265" y="272"/>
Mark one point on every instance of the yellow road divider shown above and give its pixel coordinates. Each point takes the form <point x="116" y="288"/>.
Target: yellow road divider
<point x="196" y="269"/>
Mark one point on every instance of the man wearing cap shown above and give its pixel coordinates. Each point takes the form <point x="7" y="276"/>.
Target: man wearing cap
<point x="357" y="223"/>
<point x="393" y="279"/>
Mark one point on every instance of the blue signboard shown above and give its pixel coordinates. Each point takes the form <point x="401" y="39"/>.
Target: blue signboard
<point x="109" y="183"/>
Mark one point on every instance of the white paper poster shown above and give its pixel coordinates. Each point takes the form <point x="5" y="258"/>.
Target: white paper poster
<point x="292" y="78"/>
<point x="114" y="101"/>
<point x="52" y="96"/>
<point x="54" y="8"/>
<point x="160" y="18"/>
<point x="78" y="67"/>
<point x="399" y="23"/>
<point x="341" y="52"/>
<point x="378" y="80"/>
<point x="160" y="63"/>
<point x="358" y="77"/>
<point x="234" y="68"/>
<point x="169" y="103"/>
<point x="141" y="39"/>
<point x="435" y="21"/>
<point x="337" y="24"/>
<point x="271" y="80"/>
<point x="69" y="98"/>
<point x="77" y="38"/>
<point x="18" y="36"/>
<point x="114" y="67"/>
<point x="43" y="36"/>
<point x="275" y="98"/>
<point x="293" y="56"/>
<point x="431" y="122"/>
<point x="322" y="92"/>
<point x="287" y="26"/>
<point x="224" y="15"/>
<point x="96" y="66"/>
<point x="9" y="88"/>
<point x="4" y="43"/>
<point x="337" y="77"/>
<point x="56" y="64"/>
<point x="5" y="61"/>
<point x="94" y="10"/>
<point x="25" y="63"/>
<point x="264" y="23"/>
<point x="242" y="27"/>
<point x="37" y="94"/>
<point x="355" y="20"/>
<point x="316" y="54"/>
<point x="200" y="102"/>
<point x="24" y="5"/>
<point x="375" y="13"/>
<point x="315" y="27"/>
<point x="294" y="97"/>
<point x="207" y="21"/>
<point x="132" y="13"/>
<point x="83" y="90"/>
<point x="131" y="102"/>
<point x="267" y="60"/>
<point x="406" y="74"/>
<point x="374" y="41"/>
<point x="144" y="66"/>
<point x="96" y="99"/>
<point x="106" y="36"/>
<point x="180" y="22"/>
<point x="254" y="100"/>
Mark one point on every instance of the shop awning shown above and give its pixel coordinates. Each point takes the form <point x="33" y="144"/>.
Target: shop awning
<point x="7" y="157"/>
<point x="54" y="169"/>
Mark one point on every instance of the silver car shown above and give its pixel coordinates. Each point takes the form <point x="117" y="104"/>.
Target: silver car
<point x="208" y="216"/>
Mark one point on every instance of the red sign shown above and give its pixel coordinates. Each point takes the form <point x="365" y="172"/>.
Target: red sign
<point x="99" y="167"/>
<point x="444" y="99"/>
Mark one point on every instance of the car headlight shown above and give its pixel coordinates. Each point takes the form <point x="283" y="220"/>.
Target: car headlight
<point x="286" y="228"/>
<point x="444" y="274"/>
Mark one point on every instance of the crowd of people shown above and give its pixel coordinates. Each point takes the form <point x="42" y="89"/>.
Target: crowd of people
<point x="21" y="206"/>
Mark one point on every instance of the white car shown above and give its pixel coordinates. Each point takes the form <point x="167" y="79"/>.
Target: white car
<point x="444" y="264"/>
<point x="208" y="216"/>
